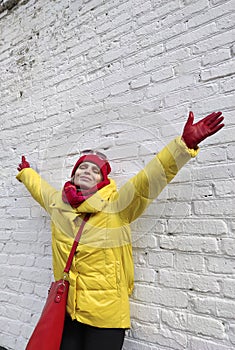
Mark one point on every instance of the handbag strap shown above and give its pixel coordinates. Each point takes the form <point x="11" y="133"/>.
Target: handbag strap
<point x="75" y="244"/>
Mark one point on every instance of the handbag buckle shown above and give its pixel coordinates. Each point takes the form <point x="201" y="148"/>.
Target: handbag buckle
<point x="65" y="276"/>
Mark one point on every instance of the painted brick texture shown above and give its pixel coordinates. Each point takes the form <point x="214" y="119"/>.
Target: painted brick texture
<point x="121" y="76"/>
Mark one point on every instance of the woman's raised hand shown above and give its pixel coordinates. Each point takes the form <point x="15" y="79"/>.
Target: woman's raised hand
<point x="193" y="134"/>
<point x="24" y="164"/>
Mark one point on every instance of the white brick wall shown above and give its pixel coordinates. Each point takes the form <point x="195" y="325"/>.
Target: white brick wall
<point x="122" y="75"/>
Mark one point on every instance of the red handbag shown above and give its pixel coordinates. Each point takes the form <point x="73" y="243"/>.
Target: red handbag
<point x="48" y="332"/>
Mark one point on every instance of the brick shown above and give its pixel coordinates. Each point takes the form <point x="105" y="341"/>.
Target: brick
<point x="189" y="244"/>
<point x="228" y="288"/>
<point x="189" y="281"/>
<point x="196" y="227"/>
<point x="192" y="263"/>
<point x="212" y="14"/>
<point x="123" y="74"/>
<point x="162" y="74"/>
<point x="119" y="88"/>
<point x="222" y="70"/>
<point x="170" y="85"/>
<point x="22" y="259"/>
<point x="191" y="93"/>
<point x="112" y="55"/>
<point x="213" y="42"/>
<point x="220" y="265"/>
<point x="140" y="82"/>
<point x="231" y="154"/>
<point x="131" y="344"/>
<point x="34" y="275"/>
<point x="210" y="58"/>
<point x="165" y="9"/>
<point x="213" y="155"/>
<point x="206" y="173"/>
<point x="196" y="324"/>
<point x="145" y="313"/>
<point x="214" y="306"/>
<point x="144" y="274"/>
<point x="228" y="246"/>
<point x="228" y="85"/>
<point x="205" y="344"/>
<point x="227" y="21"/>
<point x="162" y="337"/>
<point x="186" y="66"/>
<point x="192" y="36"/>
<point x="215" y="207"/>
<point x="160" y="259"/>
<point x="169" y="57"/>
<point x="232" y="333"/>
<point x="159" y="296"/>
<point x="225" y="188"/>
<point x="144" y="239"/>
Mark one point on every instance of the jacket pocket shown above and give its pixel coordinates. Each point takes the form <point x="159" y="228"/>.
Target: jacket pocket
<point x="113" y="275"/>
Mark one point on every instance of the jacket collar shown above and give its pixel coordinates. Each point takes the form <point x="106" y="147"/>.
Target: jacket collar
<point x="98" y="200"/>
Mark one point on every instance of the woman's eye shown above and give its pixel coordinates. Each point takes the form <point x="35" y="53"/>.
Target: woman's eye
<point x="96" y="171"/>
<point x="82" y="167"/>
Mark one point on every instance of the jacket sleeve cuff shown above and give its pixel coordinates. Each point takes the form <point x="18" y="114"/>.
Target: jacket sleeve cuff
<point x="193" y="152"/>
<point x="175" y="153"/>
<point x="20" y="175"/>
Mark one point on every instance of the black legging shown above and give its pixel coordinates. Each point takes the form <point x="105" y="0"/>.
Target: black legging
<point x="79" y="336"/>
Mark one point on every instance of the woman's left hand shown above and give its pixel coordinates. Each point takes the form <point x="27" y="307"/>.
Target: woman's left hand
<point x="24" y="164"/>
<point x="193" y="134"/>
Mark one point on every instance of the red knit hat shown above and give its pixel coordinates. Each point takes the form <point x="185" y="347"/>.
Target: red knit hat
<point x="103" y="164"/>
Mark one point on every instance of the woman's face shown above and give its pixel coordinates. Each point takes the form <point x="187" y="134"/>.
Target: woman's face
<point x="87" y="175"/>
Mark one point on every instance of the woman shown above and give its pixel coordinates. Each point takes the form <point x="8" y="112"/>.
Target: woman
<point x="101" y="276"/>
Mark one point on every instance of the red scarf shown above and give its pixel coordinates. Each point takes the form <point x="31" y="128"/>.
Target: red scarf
<point x="75" y="196"/>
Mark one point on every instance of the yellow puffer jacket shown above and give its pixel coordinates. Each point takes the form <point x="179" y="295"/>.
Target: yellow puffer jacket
<point x="101" y="276"/>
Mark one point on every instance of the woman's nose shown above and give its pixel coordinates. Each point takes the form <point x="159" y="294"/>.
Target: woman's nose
<point x="87" y="171"/>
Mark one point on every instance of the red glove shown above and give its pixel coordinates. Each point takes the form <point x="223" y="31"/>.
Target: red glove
<point x="24" y="164"/>
<point x="193" y="134"/>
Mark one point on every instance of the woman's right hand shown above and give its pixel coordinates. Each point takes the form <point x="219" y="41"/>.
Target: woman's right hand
<point x="24" y="164"/>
